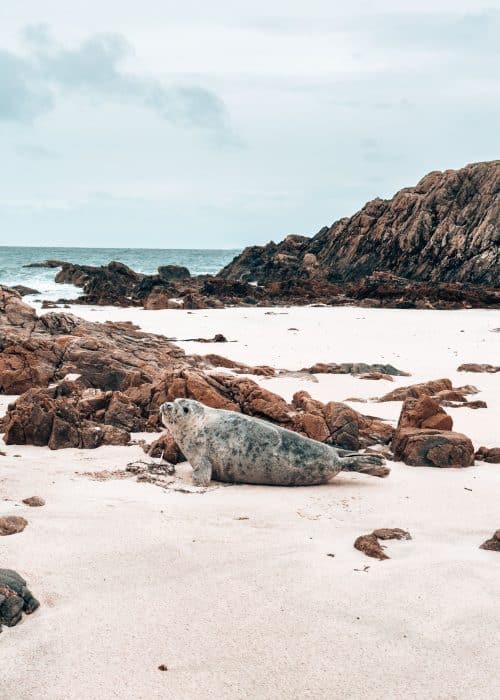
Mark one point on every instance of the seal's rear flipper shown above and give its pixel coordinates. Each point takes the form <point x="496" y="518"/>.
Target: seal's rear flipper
<point x="371" y="464"/>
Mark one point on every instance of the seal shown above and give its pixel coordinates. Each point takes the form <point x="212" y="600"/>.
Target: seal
<point x="235" y="448"/>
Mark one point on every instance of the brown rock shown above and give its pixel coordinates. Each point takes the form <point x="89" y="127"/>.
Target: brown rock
<point x="12" y="524"/>
<point x="376" y="376"/>
<point x="34" y="501"/>
<point x="424" y="413"/>
<point x="392" y="533"/>
<point x="492" y="544"/>
<point x="111" y="435"/>
<point x="160" y="299"/>
<point x="56" y="417"/>
<point x="110" y="356"/>
<point x="344" y="424"/>
<point x="369" y="545"/>
<point x="434" y="448"/>
<point x="417" y="390"/>
<point x="166" y="448"/>
<point x="455" y="395"/>
<point x="491" y="369"/>
<point x="491" y="455"/>
<point x="467" y="404"/>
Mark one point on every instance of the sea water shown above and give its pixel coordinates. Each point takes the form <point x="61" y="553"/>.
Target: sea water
<point x="146" y="260"/>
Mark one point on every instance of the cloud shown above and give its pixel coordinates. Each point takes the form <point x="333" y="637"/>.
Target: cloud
<point x="31" y="85"/>
<point x="22" y="97"/>
<point x="36" y="152"/>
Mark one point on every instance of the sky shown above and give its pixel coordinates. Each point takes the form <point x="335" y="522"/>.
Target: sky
<point x="229" y="123"/>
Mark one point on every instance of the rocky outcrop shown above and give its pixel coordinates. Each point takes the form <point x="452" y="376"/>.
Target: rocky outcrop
<point x="61" y="417"/>
<point x="432" y="448"/>
<point x="445" y="229"/>
<point x="108" y="380"/>
<point x="15" y="598"/>
<point x="109" y="284"/>
<point x="111" y="356"/>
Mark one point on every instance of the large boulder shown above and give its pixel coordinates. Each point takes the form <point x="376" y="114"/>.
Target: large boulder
<point x="424" y="413"/>
<point x="432" y="448"/>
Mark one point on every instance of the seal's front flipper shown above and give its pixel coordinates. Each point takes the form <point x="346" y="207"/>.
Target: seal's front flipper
<point x="202" y="473"/>
<point x="365" y="464"/>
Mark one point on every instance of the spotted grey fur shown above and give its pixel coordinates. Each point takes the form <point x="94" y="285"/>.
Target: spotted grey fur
<point x="231" y="447"/>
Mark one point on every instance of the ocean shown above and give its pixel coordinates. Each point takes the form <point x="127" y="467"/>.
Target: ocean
<point x="146" y="260"/>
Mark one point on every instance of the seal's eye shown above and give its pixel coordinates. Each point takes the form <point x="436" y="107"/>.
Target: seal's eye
<point x="186" y="409"/>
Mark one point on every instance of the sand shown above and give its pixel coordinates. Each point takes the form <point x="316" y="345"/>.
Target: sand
<point x="233" y="590"/>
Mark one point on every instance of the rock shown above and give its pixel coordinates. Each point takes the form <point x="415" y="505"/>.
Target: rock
<point x="34" y="501"/>
<point x="392" y="533"/>
<point x="491" y="369"/>
<point x="47" y="263"/>
<point x="165" y="448"/>
<point x="491" y="455"/>
<point x="119" y="376"/>
<point x="433" y="448"/>
<point x="424" y="413"/>
<point x="356" y="368"/>
<point x="113" y="283"/>
<point x="173" y="272"/>
<point x="15" y="314"/>
<point x="211" y="360"/>
<point x="454" y="395"/>
<point x="370" y="545"/>
<point x="47" y="304"/>
<point x="443" y="230"/>
<point x="160" y="299"/>
<point x="466" y="404"/>
<point x="15" y="598"/>
<point x="24" y="291"/>
<point x="492" y="544"/>
<point x="417" y="390"/>
<point x="54" y="417"/>
<point x="35" y="352"/>
<point x="12" y="524"/>
<point x="218" y="338"/>
<point x="376" y="376"/>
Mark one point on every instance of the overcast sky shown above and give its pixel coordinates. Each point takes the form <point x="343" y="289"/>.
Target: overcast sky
<point x="186" y="124"/>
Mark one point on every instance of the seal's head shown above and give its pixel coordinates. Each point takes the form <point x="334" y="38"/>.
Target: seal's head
<point x="180" y="411"/>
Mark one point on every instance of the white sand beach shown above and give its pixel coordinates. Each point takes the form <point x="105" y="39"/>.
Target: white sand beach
<point x="236" y="590"/>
